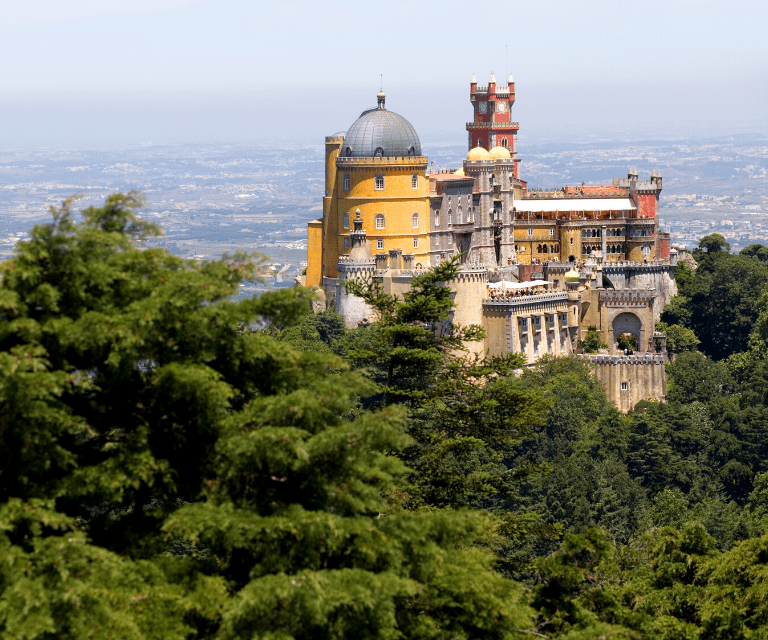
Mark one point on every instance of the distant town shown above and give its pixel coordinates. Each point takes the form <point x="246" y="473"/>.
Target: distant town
<point x="215" y="199"/>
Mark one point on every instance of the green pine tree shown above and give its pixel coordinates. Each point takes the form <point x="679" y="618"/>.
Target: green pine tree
<point x="170" y="471"/>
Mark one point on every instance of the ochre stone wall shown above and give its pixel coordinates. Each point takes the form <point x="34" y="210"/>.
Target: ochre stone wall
<point x="629" y="379"/>
<point x="398" y="202"/>
<point x="314" y="253"/>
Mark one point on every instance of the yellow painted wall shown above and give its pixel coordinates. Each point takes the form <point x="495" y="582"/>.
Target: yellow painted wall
<point x="566" y="248"/>
<point x="398" y="201"/>
<point x="330" y="255"/>
<point x="495" y="323"/>
<point x="635" y="251"/>
<point x="590" y="313"/>
<point x="315" y="253"/>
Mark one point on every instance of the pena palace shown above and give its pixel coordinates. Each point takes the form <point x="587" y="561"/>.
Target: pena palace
<point x="538" y="266"/>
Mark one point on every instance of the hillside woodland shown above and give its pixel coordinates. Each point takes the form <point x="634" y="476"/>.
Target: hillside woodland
<point x="181" y="463"/>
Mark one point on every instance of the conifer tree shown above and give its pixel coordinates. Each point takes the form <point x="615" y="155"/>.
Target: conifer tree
<point x="171" y="472"/>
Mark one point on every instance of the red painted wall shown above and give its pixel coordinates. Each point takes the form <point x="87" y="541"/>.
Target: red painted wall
<point x="646" y="205"/>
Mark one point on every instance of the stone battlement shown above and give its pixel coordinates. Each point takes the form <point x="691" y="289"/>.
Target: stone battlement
<point x="526" y="301"/>
<point x="347" y="261"/>
<point x="547" y="194"/>
<point x="634" y="359"/>
<point x="627" y="296"/>
<point x="628" y="264"/>
<point x="493" y="125"/>
<point x="385" y="160"/>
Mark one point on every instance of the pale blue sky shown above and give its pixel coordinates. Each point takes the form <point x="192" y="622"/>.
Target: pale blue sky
<point x="231" y="70"/>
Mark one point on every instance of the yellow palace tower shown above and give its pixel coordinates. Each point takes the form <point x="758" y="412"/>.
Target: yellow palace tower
<point x="376" y="168"/>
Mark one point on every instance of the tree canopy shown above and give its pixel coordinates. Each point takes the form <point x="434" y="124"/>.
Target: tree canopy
<point x="181" y="463"/>
<point x="171" y="471"/>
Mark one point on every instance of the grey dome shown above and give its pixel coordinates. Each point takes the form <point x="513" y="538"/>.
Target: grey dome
<point x="378" y="132"/>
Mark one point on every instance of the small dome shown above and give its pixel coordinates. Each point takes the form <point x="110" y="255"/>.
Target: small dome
<point x="572" y="276"/>
<point x="478" y="153"/>
<point x="499" y="153"/>
<point x="459" y="172"/>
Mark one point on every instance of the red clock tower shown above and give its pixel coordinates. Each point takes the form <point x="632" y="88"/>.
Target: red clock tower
<point x="492" y="125"/>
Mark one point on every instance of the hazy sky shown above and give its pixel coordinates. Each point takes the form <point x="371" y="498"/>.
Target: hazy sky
<point x="236" y="70"/>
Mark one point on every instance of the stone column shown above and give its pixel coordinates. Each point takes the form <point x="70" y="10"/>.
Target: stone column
<point x="604" y="233"/>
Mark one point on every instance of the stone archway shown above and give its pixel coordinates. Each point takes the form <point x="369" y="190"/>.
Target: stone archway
<point x="627" y="322"/>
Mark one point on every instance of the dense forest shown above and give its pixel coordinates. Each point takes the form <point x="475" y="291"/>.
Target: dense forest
<point x="178" y="463"/>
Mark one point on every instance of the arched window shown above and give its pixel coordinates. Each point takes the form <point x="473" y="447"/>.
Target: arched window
<point x="346" y="243"/>
<point x="415" y="220"/>
<point x="504" y="142"/>
<point x="411" y="151"/>
<point x="458" y="216"/>
<point x="379" y="153"/>
<point x="378" y="183"/>
<point x="415" y="181"/>
<point x="479" y="142"/>
<point x="346" y="182"/>
<point x="379" y="220"/>
<point x="348" y="152"/>
<point x="437" y="218"/>
<point x="346" y="221"/>
<point x="450" y="218"/>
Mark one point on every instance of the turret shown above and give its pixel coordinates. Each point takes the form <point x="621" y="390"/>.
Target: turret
<point x="656" y="178"/>
<point x="473" y="85"/>
<point x="492" y="85"/>
<point x="360" y="250"/>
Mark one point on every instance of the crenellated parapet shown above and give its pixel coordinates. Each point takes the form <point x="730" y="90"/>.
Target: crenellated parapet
<point x="637" y="359"/>
<point x="379" y="162"/>
<point x="472" y="273"/>
<point x="630" y="379"/>
<point x="652" y="266"/>
<point x="627" y="297"/>
<point x="542" y="302"/>
<point x="557" y="194"/>
<point x="353" y="269"/>
<point x="489" y="125"/>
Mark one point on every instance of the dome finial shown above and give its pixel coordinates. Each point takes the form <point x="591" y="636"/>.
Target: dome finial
<point x="380" y="96"/>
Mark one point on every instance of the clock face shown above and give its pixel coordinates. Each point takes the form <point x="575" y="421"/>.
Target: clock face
<point x="482" y="107"/>
<point x="501" y="107"/>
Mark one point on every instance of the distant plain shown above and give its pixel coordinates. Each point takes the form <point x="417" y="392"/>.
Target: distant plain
<point x="212" y="199"/>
